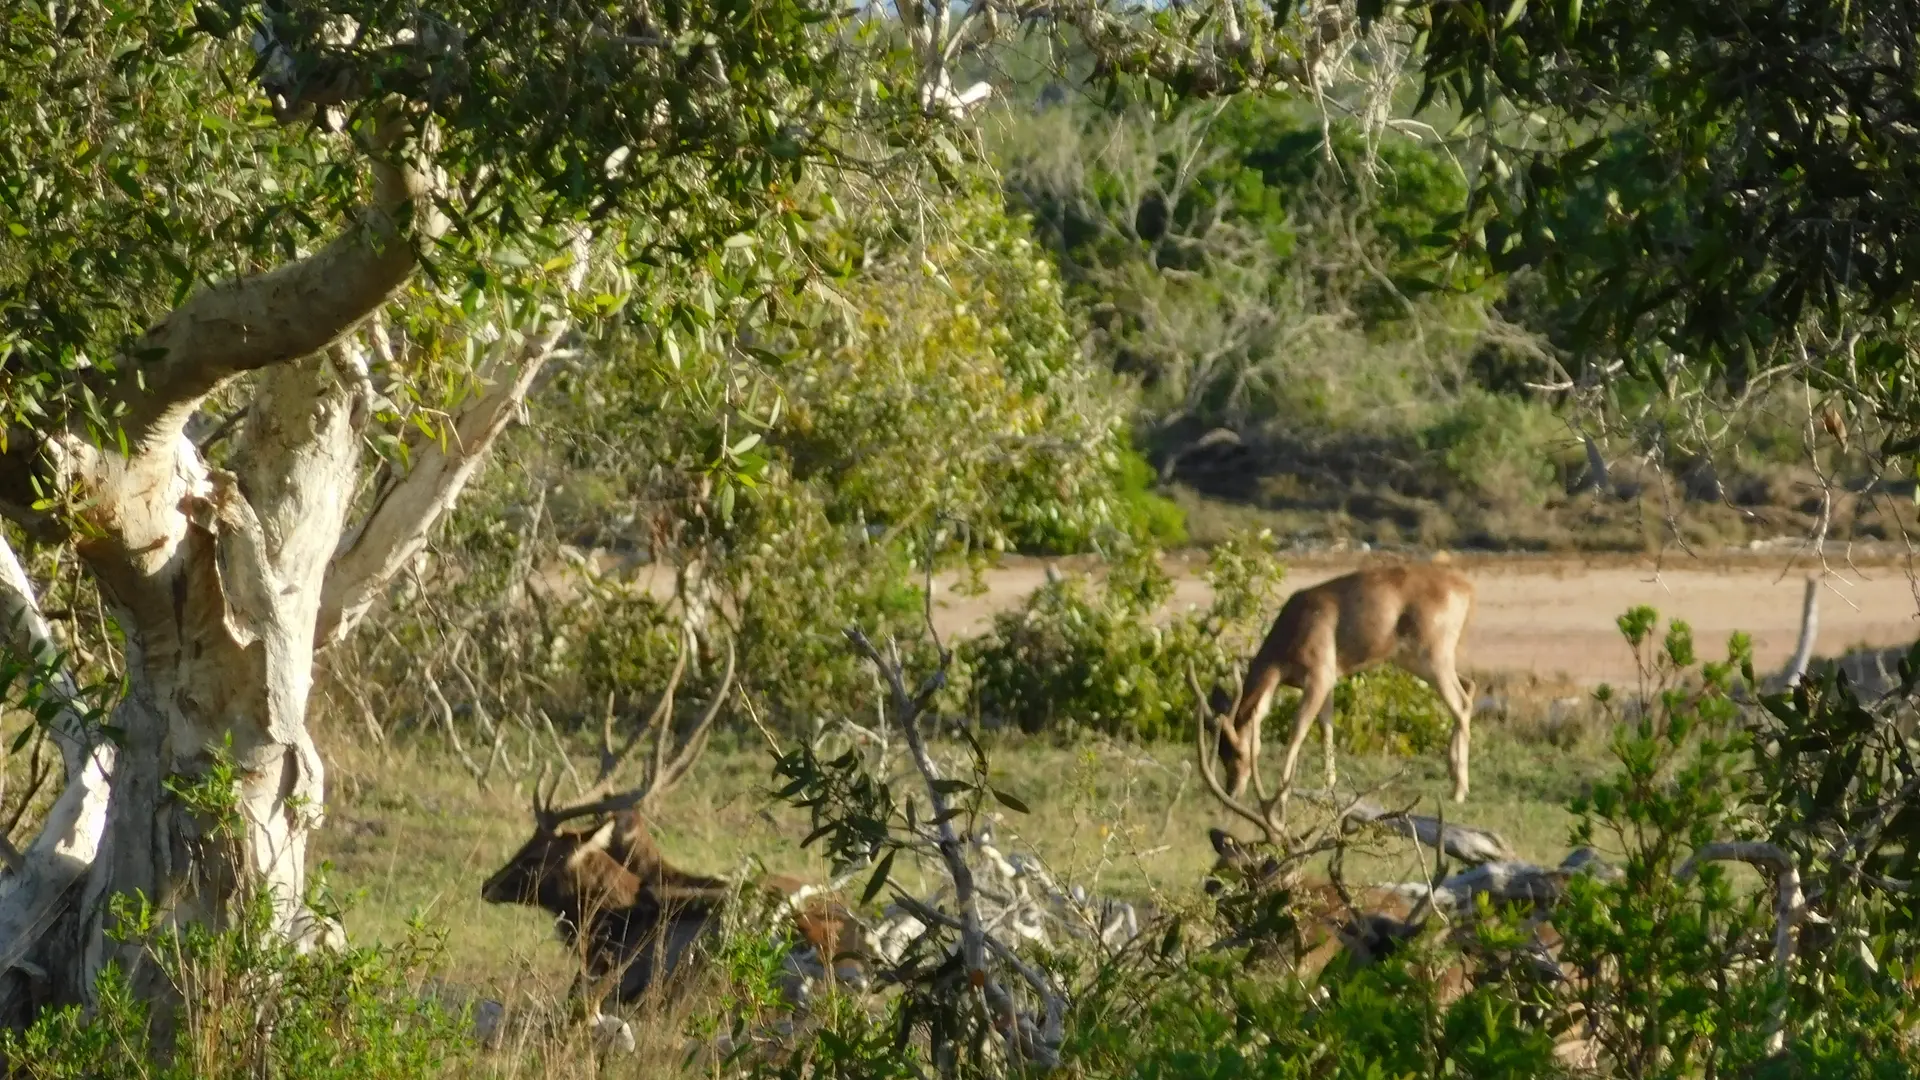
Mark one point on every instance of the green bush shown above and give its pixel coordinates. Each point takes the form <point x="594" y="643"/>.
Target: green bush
<point x="1149" y="515"/>
<point x="253" y="1008"/>
<point x="1497" y="447"/>
<point x="1079" y="657"/>
<point x="1386" y="710"/>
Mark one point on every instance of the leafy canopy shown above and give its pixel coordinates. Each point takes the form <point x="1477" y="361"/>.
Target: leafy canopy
<point x="1726" y="187"/>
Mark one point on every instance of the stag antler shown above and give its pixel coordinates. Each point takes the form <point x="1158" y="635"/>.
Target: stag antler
<point x="1270" y="815"/>
<point x="665" y="767"/>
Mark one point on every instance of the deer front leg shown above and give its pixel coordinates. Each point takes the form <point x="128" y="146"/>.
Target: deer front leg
<point x="1243" y="744"/>
<point x="1326" y="739"/>
<point x="1314" y="697"/>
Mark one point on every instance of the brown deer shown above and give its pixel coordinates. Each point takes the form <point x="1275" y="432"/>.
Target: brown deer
<point x="634" y="917"/>
<point x="1409" y="615"/>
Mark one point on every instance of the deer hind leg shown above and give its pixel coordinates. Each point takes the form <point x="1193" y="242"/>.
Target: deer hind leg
<point x="1326" y="739"/>
<point x="1439" y="673"/>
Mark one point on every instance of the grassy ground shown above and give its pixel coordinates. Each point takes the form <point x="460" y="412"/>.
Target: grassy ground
<point x="410" y="831"/>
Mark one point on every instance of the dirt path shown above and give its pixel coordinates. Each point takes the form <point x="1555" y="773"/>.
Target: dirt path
<point x="1555" y="615"/>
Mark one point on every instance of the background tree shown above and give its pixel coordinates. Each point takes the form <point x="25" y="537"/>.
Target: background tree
<point x="1725" y="190"/>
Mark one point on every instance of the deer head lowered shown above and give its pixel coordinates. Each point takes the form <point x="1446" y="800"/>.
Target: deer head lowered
<point x="634" y="917"/>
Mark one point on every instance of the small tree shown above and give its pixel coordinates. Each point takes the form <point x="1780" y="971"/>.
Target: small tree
<point x="274" y="278"/>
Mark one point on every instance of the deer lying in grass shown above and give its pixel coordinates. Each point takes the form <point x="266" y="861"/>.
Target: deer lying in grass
<point x="636" y="919"/>
<point x="1335" y="925"/>
<point x="1411" y="616"/>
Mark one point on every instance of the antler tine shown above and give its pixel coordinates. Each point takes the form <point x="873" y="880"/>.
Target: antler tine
<point x="661" y="722"/>
<point x="664" y="778"/>
<point x="599" y="799"/>
<point x="1210" y="773"/>
<point x="609" y="759"/>
<point x="542" y="804"/>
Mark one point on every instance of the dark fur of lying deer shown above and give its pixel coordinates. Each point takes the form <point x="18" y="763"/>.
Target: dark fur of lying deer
<point x="1335" y="926"/>
<point x="635" y="919"/>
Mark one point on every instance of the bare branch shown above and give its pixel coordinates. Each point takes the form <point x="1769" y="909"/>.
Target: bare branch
<point x="1809" y="630"/>
<point x="974" y="940"/>
<point x="396" y="528"/>
<point x="1789" y="908"/>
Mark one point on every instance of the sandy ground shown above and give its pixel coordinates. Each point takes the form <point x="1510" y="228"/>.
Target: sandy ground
<point x="1554" y="616"/>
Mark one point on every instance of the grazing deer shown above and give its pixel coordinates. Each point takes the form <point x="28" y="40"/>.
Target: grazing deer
<point x="634" y="917"/>
<point x="1411" y="616"/>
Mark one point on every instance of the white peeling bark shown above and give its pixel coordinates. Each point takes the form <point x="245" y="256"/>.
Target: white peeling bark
<point x="34" y="896"/>
<point x="406" y="510"/>
<point x="214" y="579"/>
<point x="223" y="584"/>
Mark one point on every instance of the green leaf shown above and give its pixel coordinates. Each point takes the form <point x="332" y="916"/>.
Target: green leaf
<point x="1010" y="802"/>
<point x="879" y="879"/>
<point x="1514" y="11"/>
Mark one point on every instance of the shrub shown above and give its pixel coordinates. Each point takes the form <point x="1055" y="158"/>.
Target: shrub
<point x="1496" y="447"/>
<point x="252" y="1008"/>
<point x="1076" y="656"/>
<point x="1386" y="710"/>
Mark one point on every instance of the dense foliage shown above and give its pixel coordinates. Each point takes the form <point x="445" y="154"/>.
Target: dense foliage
<point x="1723" y="191"/>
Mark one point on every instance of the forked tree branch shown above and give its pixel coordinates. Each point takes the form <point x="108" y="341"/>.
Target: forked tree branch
<point x="405" y="513"/>
<point x="1041" y="1047"/>
<point x="284" y="314"/>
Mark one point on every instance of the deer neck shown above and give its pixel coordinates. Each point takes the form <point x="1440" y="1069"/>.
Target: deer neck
<point x="644" y="859"/>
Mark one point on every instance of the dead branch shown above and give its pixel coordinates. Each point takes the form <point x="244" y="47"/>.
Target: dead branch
<point x="446" y="721"/>
<point x="1042" y="1047"/>
<point x="1789" y="908"/>
<point x="1465" y="843"/>
<point x="1809" y="629"/>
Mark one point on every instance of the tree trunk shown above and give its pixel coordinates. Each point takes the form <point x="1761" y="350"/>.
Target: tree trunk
<point x="223" y="583"/>
<point x="215" y="578"/>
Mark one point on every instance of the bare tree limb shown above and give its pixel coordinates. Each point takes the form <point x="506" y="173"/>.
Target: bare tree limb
<point x="396" y="528"/>
<point x="910" y="709"/>
<point x="1809" y="630"/>
<point x="33" y="893"/>
<point x="1789" y="908"/>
